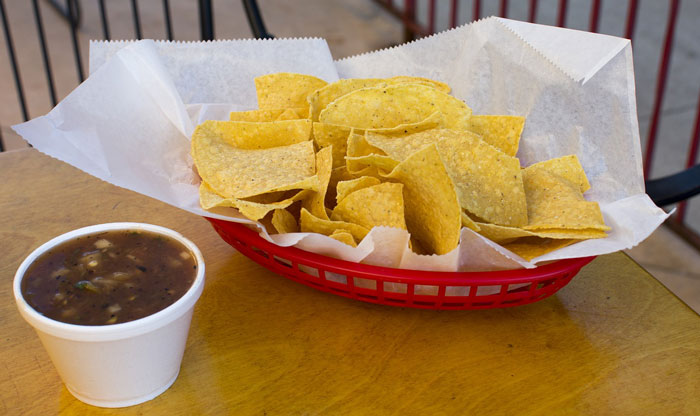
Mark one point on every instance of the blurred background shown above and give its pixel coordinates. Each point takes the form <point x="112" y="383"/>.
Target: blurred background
<point x="44" y="55"/>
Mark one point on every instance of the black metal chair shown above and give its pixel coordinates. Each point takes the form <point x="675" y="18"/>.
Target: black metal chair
<point x="674" y="188"/>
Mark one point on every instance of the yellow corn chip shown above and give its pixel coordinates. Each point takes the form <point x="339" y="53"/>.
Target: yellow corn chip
<point x="254" y="211"/>
<point x="373" y="206"/>
<point x="256" y="135"/>
<point x="393" y="105"/>
<point x="532" y="247"/>
<point x="269" y="197"/>
<point x="325" y="135"/>
<point x="316" y="201"/>
<point x="468" y="222"/>
<point x="433" y="214"/>
<point x="383" y="164"/>
<point x="346" y="187"/>
<point x="554" y="202"/>
<point x="240" y="173"/>
<point x="256" y="115"/>
<point x="574" y="234"/>
<point x="433" y="121"/>
<point x="285" y="90"/>
<point x="312" y="224"/>
<point x="501" y="132"/>
<point x="358" y="146"/>
<point x="290" y="114"/>
<point x="340" y="174"/>
<point x="502" y="234"/>
<point x="284" y="221"/>
<point x="271" y="114"/>
<point x="568" y="167"/>
<point x="488" y="182"/>
<point x="402" y="147"/>
<point x="344" y="237"/>
<point x="401" y="79"/>
<point x="337" y="175"/>
<point x="399" y="148"/>
<point x="319" y="99"/>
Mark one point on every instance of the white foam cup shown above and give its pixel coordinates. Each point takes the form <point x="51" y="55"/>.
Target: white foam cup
<point x="122" y="364"/>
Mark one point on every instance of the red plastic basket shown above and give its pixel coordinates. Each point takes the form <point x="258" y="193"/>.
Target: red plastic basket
<point x="399" y="287"/>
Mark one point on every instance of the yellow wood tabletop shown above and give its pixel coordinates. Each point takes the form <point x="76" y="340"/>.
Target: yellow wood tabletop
<point x="613" y="341"/>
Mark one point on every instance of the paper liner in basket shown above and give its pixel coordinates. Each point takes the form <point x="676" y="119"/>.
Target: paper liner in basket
<point x="130" y="122"/>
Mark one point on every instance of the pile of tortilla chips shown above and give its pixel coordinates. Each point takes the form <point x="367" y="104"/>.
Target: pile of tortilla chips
<point x="340" y="158"/>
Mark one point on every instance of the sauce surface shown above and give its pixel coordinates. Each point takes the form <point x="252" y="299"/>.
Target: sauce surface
<point x="110" y="277"/>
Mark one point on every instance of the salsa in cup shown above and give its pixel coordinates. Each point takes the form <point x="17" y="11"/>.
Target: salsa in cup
<point x="109" y="277"/>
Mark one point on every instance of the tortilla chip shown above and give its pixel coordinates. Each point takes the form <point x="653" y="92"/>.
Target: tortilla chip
<point x="256" y="115"/>
<point x="271" y="114"/>
<point x="285" y="90"/>
<point x="574" y="234"/>
<point x="256" y="135"/>
<point x="401" y="79"/>
<point x="433" y="121"/>
<point x="325" y="135"/>
<point x="469" y="223"/>
<point x="402" y="147"/>
<point x="555" y="202"/>
<point x="339" y="174"/>
<point x="344" y="237"/>
<point x="393" y="105"/>
<point x="316" y="201"/>
<point x="284" y="221"/>
<point x="346" y="187"/>
<point x="488" y="182"/>
<point x="319" y="99"/>
<point x="291" y="114"/>
<point x="433" y="214"/>
<point x="501" y="234"/>
<point x="269" y="197"/>
<point x="383" y="164"/>
<point x="312" y="224"/>
<point x="240" y="173"/>
<point x="501" y="132"/>
<point x="358" y="146"/>
<point x="373" y="206"/>
<point x="399" y="148"/>
<point x="254" y="211"/>
<point x="568" y="167"/>
<point x="532" y="247"/>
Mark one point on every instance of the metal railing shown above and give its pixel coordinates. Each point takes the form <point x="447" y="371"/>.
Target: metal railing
<point x="71" y="12"/>
<point x="413" y="28"/>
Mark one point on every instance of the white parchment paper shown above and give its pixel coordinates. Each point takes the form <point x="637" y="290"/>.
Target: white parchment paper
<point x="129" y="123"/>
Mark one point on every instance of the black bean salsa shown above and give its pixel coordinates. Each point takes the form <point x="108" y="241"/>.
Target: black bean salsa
<point x="110" y="277"/>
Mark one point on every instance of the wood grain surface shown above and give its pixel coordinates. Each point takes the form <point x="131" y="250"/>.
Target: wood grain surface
<point x="614" y="341"/>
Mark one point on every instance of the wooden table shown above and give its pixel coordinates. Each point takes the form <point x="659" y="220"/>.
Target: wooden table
<point x="614" y="341"/>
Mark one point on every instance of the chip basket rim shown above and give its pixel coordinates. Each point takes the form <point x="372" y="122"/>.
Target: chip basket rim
<point x="551" y="270"/>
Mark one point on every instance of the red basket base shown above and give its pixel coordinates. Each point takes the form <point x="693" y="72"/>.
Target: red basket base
<point x="399" y="287"/>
